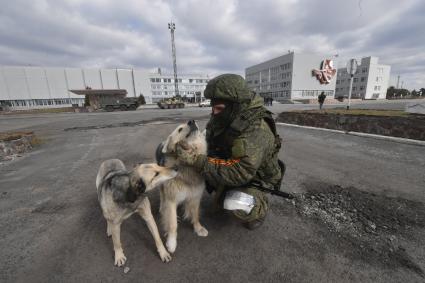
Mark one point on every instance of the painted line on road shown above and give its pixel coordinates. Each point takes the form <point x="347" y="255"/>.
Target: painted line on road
<point x="380" y="137"/>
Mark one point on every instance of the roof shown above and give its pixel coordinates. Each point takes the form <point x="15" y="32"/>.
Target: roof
<point x="99" y="91"/>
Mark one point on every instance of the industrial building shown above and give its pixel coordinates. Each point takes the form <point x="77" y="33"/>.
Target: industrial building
<point x="49" y="87"/>
<point x="369" y="82"/>
<point x="291" y="77"/>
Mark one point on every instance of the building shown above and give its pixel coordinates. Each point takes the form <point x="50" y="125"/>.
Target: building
<point x="191" y="87"/>
<point x="49" y="87"/>
<point x="289" y="77"/>
<point x="369" y="82"/>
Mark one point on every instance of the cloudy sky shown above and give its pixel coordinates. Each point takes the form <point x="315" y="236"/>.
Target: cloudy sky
<point x="212" y="36"/>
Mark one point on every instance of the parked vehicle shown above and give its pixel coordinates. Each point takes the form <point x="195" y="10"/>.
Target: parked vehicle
<point x="126" y="103"/>
<point x="171" y="103"/>
<point x="205" y="103"/>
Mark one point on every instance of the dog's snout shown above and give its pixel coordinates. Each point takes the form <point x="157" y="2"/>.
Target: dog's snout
<point x="191" y="122"/>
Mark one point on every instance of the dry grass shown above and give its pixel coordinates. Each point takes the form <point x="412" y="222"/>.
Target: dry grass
<point x="366" y="112"/>
<point x="10" y="136"/>
<point x="36" y="141"/>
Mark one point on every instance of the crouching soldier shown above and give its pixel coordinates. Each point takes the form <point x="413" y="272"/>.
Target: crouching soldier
<point x="243" y="150"/>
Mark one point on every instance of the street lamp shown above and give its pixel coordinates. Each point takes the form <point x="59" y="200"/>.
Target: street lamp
<point x="351" y="70"/>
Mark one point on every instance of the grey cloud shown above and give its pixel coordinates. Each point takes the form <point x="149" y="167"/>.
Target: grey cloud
<point x="211" y="36"/>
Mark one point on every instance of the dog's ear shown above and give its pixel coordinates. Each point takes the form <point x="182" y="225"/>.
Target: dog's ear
<point x="137" y="185"/>
<point x="159" y="155"/>
<point x="119" y="195"/>
<point x="168" y="145"/>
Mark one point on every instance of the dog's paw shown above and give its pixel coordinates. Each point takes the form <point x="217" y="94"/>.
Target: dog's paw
<point x="164" y="255"/>
<point x="120" y="258"/>
<point x="201" y="231"/>
<point x="171" y="244"/>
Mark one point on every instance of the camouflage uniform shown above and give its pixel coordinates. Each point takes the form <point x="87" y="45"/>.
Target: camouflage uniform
<point x="242" y="149"/>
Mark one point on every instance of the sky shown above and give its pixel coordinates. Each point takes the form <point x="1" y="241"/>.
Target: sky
<point x="212" y="37"/>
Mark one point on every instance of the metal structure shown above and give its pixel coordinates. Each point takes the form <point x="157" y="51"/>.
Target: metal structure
<point x="172" y="27"/>
<point x="351" y="70"/>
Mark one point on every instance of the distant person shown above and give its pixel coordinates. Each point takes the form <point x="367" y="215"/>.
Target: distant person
<point x="321" y="99"/>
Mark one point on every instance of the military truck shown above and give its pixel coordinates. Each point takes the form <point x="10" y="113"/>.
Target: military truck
<point x="113" y="103"/>
<point x="171" y="103"/>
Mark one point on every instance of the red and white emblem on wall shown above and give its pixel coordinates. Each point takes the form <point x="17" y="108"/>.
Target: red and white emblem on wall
<point x="326" y="72"/>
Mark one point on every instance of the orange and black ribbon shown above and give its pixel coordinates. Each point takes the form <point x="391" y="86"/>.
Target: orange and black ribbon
<point x="223" y="162"/>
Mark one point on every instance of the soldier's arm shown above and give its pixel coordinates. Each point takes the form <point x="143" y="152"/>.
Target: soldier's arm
<point x="247" y="156"/>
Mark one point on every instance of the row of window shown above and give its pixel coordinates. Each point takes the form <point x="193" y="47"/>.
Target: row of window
<point x="42" y="102"/>
<point x="168" y="80"/>
<point x="348" y="88"/>
<point x="355" y="80"/>
<point x="171" y="87"/>
<point x="272" y="70"/>
<point x="173" y="93"/>
<point x="276" y="94"/>
<point x="280" y="85"/>
<point x="316" y="93"/>
<point x="343" y="72"/>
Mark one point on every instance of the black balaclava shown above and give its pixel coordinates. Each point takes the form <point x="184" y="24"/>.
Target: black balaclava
<point x="222" y="120"/>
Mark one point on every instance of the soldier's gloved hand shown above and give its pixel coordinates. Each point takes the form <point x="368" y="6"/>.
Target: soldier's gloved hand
<point x="188" y="156"/>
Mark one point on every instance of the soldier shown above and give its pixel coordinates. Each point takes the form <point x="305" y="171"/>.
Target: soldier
<point x="321" y="99"/>
<point x="243" y="150"/>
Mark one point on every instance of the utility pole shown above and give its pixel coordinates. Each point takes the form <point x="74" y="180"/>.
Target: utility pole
<point x="172" y="27"/>
<point x="351" y="70"/>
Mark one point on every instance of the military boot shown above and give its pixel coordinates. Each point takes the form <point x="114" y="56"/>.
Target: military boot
<point x="254" y="224"/>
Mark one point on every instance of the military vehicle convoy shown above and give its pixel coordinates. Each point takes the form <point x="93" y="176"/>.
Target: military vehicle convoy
<point x="112" y="103"/>
<point x="171" y="103"/>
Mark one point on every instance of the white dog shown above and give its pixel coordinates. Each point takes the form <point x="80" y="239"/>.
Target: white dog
<point x="187" y="187"/>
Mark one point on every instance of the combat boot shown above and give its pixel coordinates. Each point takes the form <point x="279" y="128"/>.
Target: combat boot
<point x="254" y="224"/>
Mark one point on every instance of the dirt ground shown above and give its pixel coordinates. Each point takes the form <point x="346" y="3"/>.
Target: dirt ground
<point x="358" y="215"/>
<point x="369" y="227"/>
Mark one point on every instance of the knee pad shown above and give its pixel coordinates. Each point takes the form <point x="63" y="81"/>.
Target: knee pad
<point x="236" y="200"/>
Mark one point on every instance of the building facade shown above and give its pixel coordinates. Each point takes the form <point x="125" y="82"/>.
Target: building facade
<point x="289" y="77"/>
<point x="190" y="87"/>
<point x="369" y="82"/>
<point x="49" y="87"/>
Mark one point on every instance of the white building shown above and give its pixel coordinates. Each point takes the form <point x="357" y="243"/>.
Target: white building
<point x="190" y="86"/>
<point x="48" y="87"/>
<point x="289" y="77"/>
<point x="369" y="82"/>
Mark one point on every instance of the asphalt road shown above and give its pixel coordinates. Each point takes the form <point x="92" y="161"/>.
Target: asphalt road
<point x="52" y="228"/>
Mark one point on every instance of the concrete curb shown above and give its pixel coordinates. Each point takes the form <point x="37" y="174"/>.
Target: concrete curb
<point x="379" y="137"/>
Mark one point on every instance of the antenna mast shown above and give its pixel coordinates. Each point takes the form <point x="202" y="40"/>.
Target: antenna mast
<point x="172" y="27"/>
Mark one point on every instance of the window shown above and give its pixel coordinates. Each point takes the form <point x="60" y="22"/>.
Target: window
<point x="362" y="79"/>
<point x="354" y="88"/>
<point x="355" y="80"/>
<point x="364" y="70"/>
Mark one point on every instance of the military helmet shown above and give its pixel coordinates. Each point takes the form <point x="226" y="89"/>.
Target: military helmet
<point x="228" y="87"/>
